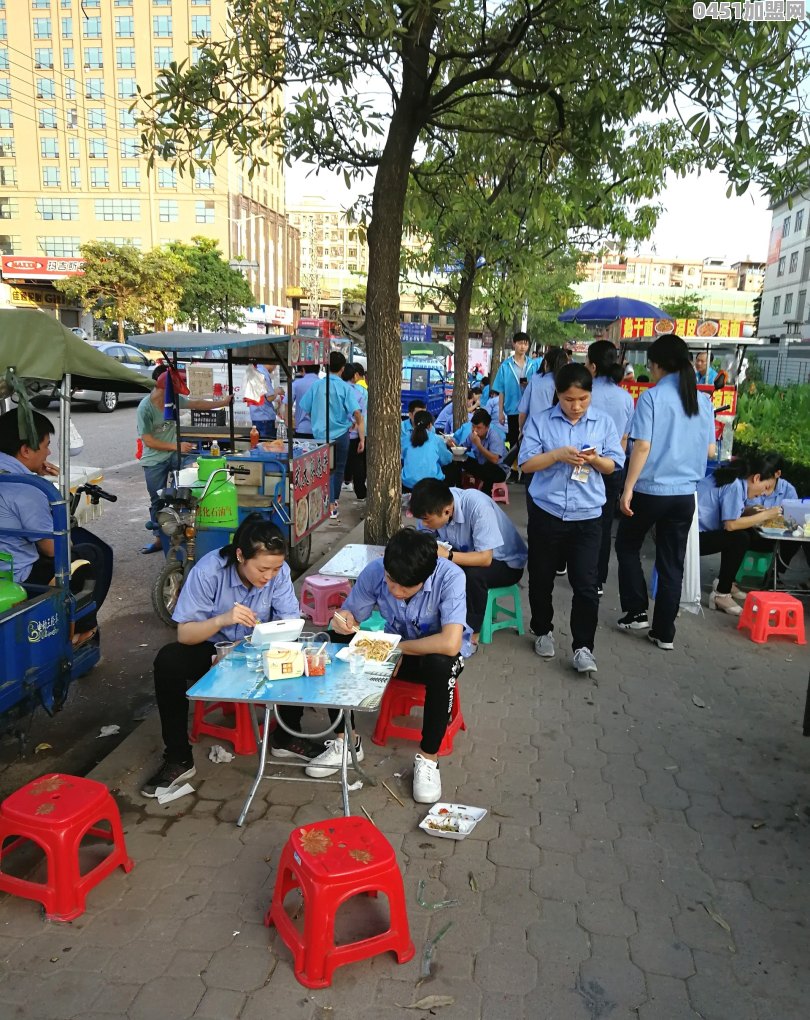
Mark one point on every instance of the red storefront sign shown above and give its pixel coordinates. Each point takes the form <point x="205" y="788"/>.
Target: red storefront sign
<point x="698" y="329"/>
<point x="726" y="397"/>
<point x="310" y="491"/>
<point x="40" y="267"/>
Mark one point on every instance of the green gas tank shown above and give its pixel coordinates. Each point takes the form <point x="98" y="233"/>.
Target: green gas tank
<point x="11" y="593"/>
<point x="219" y="507"/>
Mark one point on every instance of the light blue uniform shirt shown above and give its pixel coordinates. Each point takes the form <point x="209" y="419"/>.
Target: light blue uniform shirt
<point x="212" y="587"/>
<point x="441" y="600"/>
<point x="300" y="386"/>
<point x="555" y="490"/>
<point x="362" y="400"/>
<point x="492" y="407"/>
<point x="615" y="401"/>
<point x="264" y="411"/>
<point x="485" y="394"/>
<point x="424" y="461"/>
<point x="784" y="490"/>
<point x="444" y="419"/>
<point x="507" y="382"/>
<point x="342" y="405"/>
<point x="716" y="505"/>
<point x="707" y="378"/>
<point x="494" y="441"/>
<point x="405" y="430"/>
<point x="538" y="395"/>
<point x="22" y="507"/>
<point x="679" y="445"/>
<point x="478" y="523"/>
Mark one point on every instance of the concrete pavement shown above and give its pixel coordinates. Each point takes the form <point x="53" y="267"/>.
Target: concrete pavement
<point x="645" y="855"/>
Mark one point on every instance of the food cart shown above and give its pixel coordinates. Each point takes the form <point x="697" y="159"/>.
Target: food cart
<point x="288" y="482"/>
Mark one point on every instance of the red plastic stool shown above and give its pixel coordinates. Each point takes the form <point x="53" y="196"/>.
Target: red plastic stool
<point x="330" y="862"/>
<point x="56" y="812"/>
<point x="399" y="698"/>
<point x="320" y="594"/>
<point x="768" y="614"/>
<point x="240" y="734"/>
<point x="470" y="481"/>
<point x="500" y="492"/>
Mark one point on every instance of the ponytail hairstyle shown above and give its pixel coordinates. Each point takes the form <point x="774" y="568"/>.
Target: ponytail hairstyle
<point x="671" y="355"/>
<point x="766" y="465"/>
<point x="255" y="535"/>
<point x="570" y="375"/>
<point x="422" y="422"/>
<point x="554" y="360"/>
<point x="605" y="359"/>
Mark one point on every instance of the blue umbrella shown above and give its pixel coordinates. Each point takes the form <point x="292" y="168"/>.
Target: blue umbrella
<point x="609" y="309"/>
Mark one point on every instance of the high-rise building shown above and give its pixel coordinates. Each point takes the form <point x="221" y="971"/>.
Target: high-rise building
<point x="71" y="164"/>
<point x="785" y="310"/>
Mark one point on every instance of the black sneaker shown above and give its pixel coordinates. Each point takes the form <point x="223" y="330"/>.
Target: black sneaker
<point x="298" y="748"/>
<point x="634" y="621"/>
<point x="169" y="774"/>
<point x="668" y="646"/>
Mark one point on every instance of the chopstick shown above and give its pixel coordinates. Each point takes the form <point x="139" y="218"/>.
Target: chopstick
<point x="345" y="622"/>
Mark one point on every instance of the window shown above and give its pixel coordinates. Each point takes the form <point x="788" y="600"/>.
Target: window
<point x="200" y="3"/>
<point x="75" y="177"/>
<point x="94" y="88"/>
<point x="136" y="242"/>
<point x="68" y="59"/>
<point x="131" y="177"/>
<point x="167" y="178"/>
<point x="49" y="148"/>
<point x="794" y="263"/>
<point x="57" y="208"/>
<point x="9" y="244"/>
<point x="118" y="209"/>
<point x="71" y="90"/>
<point x="39" y="5"/>
<point x="47" y="117"/>
<point x="162" y="25"/>
<point x="8" y="175"/>
<point x="94" y="57"/>
<point x="46" y="88"/>
<point x="802" y="301"/>
<point x="780" y="267"/>
<point x="99" y="177"/>
<point x="74" y="152"/>
<point x="777" y="304"/>
<point x="72" y="118"/>
<point x="786" y="226"/>
<point x="90" y="3"/>
<point x="130" y="148"/>
<point x="169" y="210"/>
<point x="788" y="304"/>
<point x="51" y="177"/>
<point x="125" y="28"/>
<point x="67" y="28"/>
<point x="9" y="209"/>
<point x="204" y="212"/>
<point x="125" y="57"/>
<point x="123" y="3"/>
<point x="5" y="88"/>
<point x="7" y="121"/>
<point x="43" y="58"/>
<point x="163" y="57"/>
<point x="4" y="59"/>
<point x="96" y="120"/>
<point x="42" y="28"/>
<point x="126" y="120"/>
<point x="98" y="148"/>
<point x="91" y="28"/>
<point x="200" y="24"/>
<point x="6" y="146"/>
<point x="59" y="247"/>
<point x="3" y="29"/>
<point x="127" y="88"/>
<point x="799" y="220"/>
<point x="204" y="179"/>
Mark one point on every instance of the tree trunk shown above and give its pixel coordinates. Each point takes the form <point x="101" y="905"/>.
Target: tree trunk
<point x="121" y="335"/>
<point x="461" y="345"/>
<point x="498" y="338"/>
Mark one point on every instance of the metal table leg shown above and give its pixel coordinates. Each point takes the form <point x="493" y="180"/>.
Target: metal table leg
<point x="344" y="763"/>
<point x="262" y="760"/>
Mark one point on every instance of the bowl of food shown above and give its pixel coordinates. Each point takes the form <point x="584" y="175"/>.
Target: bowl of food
<point x="376" y="646"/>
<point x="458" y="451"/>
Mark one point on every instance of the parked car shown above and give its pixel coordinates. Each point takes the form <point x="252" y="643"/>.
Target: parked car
<point x="107" y="400"/>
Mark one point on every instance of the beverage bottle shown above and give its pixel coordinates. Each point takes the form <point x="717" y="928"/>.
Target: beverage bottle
<point x="254" y="438"/>
<point x="281" y="429"/>
<point x="215" y="449"/>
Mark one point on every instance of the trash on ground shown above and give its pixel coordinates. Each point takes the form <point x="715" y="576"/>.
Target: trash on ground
<point x="718" y="919"/>
<point x="698" y="701"/>
<point x="352" y="787"/>
<point x="429" y="1002"/>
<point x="43" y="747"/>
<point x="452" y="821"/>
<point x="430" y="946"/>
<point x="758" y="825"/>
<point x="473" y="883"/>
<point x="108" y="731"/>
<point x="392" y="793"/>
<point x="166" y="794"/>
<point x="218" y="755"/>
<point x="438" y="905"/>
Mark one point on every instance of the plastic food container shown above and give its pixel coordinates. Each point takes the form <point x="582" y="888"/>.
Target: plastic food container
<point x="266" y="634"/>
<point x="371" y="644"/>
<point x="284" y="661"/>
<point x="452" y="821"/>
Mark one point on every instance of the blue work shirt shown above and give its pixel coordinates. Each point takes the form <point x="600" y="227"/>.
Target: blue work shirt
<point x="342" y="405"/>
<point x="300" y="386"/>
<point x="424" y="461"/>
<point x="485" y="394"/>
<point x="615" y="401"/>
<point x="444" y="419"/>
<point x="441" y="600"/>
<point x="706" y="378"/>
<point x="716" y="505"/>
<point x="405" y="430"/>
<point x="478" y="523"/>
<point x="491" y="406"/>
<point x="784" y="490"/>
<point x="507" y="382"/>
<point x="264" y="411"/>
<point x="22" y="507"/>
<point x="212" y="587"/>
<point x="494" y="441"/>
<point x="679" y="446"/>
<point x="555" y="490"/>
<point x="362" y="400"/>
<point x="538" y="395"/>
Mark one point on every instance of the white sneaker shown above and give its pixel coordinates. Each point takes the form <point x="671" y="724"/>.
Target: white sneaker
<point x="583" y="661"/>
<point x="736" y="593"/>
<point x="544" y="646"/>
<point x="427" y="783"/>
<point x="725" y="603"/>
<point x="328" y="763"/>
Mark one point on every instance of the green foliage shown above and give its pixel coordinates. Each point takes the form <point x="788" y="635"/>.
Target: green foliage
<point x="772" y="418"/>
<point x="687" y="306"/>
<point x="213" y="294"/>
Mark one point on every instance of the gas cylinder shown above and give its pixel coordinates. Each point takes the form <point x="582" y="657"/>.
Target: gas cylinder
<point x="11" y="593"/>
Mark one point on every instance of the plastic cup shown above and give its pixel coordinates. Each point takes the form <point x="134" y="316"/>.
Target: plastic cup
<point x="224" y="649"/>
<point x="253" y="657"/>
<point x="357" y="662"/>
<point x="306" y="637"/>
<point x="316" y="660"/>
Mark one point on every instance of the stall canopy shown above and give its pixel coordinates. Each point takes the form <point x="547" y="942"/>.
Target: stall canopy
<point x="196" y="344"/>
<point x="609" y="309"/>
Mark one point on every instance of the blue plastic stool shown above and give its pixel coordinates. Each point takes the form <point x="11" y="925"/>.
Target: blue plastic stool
<point x="513" y="618"/>
<point x="374" y="622"/>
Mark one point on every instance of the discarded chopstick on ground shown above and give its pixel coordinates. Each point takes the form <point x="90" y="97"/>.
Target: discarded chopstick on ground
<point x="392" y="793"/>
<point x="430" y="946"/>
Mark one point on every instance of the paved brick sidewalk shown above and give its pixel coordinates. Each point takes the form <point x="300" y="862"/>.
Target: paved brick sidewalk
<point x="643" y="857"/>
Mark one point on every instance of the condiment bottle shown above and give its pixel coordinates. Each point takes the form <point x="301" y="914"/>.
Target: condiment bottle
<point x="254" y="438"/>
<point x="215" y="449"/>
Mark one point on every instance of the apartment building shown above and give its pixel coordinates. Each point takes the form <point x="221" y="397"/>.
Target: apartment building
<point x="785" y="309"/>
<point x="71" y="164"/>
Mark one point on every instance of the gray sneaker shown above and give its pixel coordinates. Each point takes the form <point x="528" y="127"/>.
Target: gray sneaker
<point x="584" y="661"/>
<point x="544" y="646"/>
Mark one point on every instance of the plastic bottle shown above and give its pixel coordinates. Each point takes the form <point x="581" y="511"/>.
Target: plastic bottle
<point x="281" y="430"/>
<point x="215" y="449"/>
<point x="254" y="438"/>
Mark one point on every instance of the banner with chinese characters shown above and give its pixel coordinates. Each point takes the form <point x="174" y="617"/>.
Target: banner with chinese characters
<point x="699" y="329"/>
<point x="310" y="491"/>
<point x="306" y="350"/>
<point x="40" y="267"/>
<point x="725" y="397"/>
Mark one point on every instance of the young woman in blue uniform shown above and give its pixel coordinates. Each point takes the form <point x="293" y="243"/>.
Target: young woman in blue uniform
<point x="425" y="454"/>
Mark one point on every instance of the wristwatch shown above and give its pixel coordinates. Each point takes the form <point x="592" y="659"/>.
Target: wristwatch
<point x="450" y="555"/>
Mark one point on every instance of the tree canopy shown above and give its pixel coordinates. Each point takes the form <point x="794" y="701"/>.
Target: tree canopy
<point x="213" y="294"/>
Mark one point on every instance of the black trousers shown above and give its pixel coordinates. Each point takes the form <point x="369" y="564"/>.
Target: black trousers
<point x="356" y="469"/>
<point x="488" y="473"/>
<point x="672" y="518"/>
<point x="549" y="539"/>
<point x="613" y="489"/>
<point x="43" y="570"/>
<point x="513" y="429"/>
<point x="176" y="668"/>
<point x="732" y="546"/>
<point x="479" y="580"/>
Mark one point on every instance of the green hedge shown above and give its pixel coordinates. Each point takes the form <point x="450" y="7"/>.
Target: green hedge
<point x="770" y="418"/>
